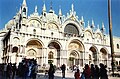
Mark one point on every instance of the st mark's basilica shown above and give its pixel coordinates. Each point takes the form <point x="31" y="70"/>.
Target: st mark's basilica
<point x="56" y="38"/>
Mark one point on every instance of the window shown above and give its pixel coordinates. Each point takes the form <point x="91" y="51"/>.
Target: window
<point x="117" y="46"/>
<point x="50" y="55"/>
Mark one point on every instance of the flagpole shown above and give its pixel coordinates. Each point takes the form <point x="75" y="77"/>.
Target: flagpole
<point x="111" y="37"/>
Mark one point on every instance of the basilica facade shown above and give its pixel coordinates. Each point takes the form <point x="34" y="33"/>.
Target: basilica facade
<point x="54" y="38"/>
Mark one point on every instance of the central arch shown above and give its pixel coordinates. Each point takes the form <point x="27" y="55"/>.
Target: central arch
<point x="75" y="53"/>
<point x="54" y="52"/>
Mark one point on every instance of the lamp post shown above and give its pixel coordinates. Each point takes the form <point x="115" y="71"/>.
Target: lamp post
<point x="111" y="37"/>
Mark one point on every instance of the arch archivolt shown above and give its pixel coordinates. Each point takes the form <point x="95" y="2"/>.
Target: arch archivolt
<point x="52" y="25"/>
<point x="75" y="42"/>
<point x="34" y="47"/>
<point x="31" y="53"/>
<point x="103" y="55"/>
<point x="36" y="41"/>
<point x="57" y="42"/>
<point x="33" y="21"/>
<point x="74" y="23"/>
<point x="16" y="41"/>
<point x="75" y="54"/>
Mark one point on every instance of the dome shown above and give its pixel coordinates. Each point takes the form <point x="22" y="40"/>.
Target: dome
<point x="52" y="17"/>
<point x="9" y="24"/>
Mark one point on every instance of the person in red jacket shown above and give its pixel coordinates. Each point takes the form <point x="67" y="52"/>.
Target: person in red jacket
<point x="77" y="74"/>
<point x="87" y="72"/>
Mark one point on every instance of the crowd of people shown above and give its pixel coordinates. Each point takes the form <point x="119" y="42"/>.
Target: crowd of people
<point x="88" y="72"/>
<point x="25" y="69"/>
<point x="92" y="72"/>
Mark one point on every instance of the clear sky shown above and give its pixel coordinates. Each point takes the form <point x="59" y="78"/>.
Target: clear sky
<point x="89" y="9"/>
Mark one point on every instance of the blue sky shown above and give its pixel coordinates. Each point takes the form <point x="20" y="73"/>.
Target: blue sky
<point x="89" y="9"/>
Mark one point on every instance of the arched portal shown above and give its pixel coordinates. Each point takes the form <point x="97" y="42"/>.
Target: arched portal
<point x="34" y="49"/>
<point x="54" y="52"/>
<point x="74" y="58"/>
<point x="93" y="55"/>
<point x="76" y="53"/>
<point x="103" y="56"/>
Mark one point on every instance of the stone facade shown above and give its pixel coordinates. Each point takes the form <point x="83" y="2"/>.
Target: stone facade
<point x="48" y="37"/>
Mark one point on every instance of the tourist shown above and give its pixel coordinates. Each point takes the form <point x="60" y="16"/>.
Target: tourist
<point x="92" y="71"/>
<point x="96" y="72"/>
<point x="87" y="72"/>
<point x="13" y="70"/>
<point x="63" y="68"/>
<point x="77" y="74"/>
<point x="5" y="70"/>
<point x="34" y="69"/>
<point x="51" y="71"/>
<point x="103" y="72"/>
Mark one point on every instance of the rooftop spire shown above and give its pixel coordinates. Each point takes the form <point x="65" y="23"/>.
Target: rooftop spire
<point x="72" y="7"/>
<point x="93" y="25"/>
<point x="44" y="7"/>
<point x="36" y="9"/>
<point x="82" y="19"/>
<point x="51" y="5"/>
<point x="24" y="3"/>
<point x="60" y="11"/>
<point x="103" y="27"/>
<point x="92" y="22"/>
<point x="88" y="24"/>
<point x="51" y="10"/>
<point x="98" y="27"/>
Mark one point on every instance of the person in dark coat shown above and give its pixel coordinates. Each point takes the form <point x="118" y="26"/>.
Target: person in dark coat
<point x="103" y="72"/>
<point x="63" y="68"/>
<point x="14" y="70"/>
<point x="92" y="71"/>
<point x="97" y="72"/>
<point x="51" y="71"/>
